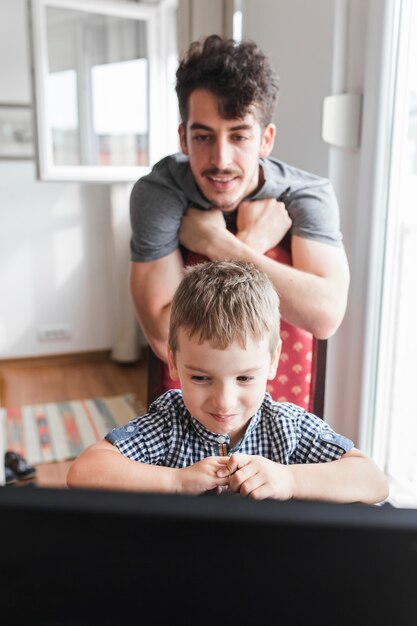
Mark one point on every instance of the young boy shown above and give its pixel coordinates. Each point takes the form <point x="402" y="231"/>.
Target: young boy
<point x="222" y="430"/>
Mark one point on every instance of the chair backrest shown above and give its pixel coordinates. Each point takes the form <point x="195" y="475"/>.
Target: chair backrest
<point x="319" y="375"/>
<point x="156" y="376"/>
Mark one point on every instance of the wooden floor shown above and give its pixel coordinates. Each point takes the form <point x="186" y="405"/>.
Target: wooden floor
<point x="68" y="377"/>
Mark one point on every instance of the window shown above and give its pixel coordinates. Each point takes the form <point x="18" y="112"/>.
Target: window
<point x="103" y="74"/>
<point x="394" y="424"/>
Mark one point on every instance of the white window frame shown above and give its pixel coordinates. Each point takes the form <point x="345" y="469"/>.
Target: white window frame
<point x="373" y="194"/>
<point x="161" y="137"/>
<point x="378" y="187"/>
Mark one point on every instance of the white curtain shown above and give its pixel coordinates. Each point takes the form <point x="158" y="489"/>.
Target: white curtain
<point x="128" y="337"/>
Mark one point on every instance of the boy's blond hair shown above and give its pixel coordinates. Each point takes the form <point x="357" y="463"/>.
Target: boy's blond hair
<point x="225" y="301"/>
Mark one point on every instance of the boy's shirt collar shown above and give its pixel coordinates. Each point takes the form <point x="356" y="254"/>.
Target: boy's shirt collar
<point x="220" y="439"/>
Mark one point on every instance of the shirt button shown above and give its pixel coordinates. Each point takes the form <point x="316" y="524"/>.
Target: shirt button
<point x="130" y="429"/>
<point x="328" y="437"/>
<point x="221" y="439"/>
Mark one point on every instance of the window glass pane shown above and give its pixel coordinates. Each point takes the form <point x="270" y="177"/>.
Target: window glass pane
<point x="402" y="443"/>
<point x="63" y="115"/>
<point x="397" y="371"/>
<point x="122" y="139"/>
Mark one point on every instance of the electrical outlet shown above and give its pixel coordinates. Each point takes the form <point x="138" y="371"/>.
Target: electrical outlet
<point x="57" y="332"/>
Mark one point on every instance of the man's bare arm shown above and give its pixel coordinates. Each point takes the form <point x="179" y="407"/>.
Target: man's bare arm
<point x="262" y="224"/>
<point x="152" y="286"/>
<point x="313" y="291"/>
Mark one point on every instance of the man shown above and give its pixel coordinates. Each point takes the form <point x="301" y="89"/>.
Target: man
<point x="225" y="198"/>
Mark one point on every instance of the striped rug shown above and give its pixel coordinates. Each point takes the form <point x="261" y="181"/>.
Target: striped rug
<point x="58" y="431"/>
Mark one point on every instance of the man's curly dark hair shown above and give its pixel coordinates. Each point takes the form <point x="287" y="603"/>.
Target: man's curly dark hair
<point x="238" y="74"/>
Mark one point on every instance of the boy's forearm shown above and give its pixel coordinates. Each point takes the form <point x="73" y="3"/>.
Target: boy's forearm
<point x="105" y="469"/>
<point x="353" y="478"/>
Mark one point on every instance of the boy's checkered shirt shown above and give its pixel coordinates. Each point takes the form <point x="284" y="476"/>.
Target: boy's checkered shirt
<point x="170" y="436"/>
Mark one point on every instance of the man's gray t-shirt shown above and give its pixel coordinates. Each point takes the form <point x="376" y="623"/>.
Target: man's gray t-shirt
<point x="160" y="199"/>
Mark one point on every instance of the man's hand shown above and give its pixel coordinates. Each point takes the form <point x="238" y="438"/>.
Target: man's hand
<point x="202" y="231"/>
<point x="258" y="477"/>
<point x="262" y="224"/>
<point x="203" y="476"/>
<point x="313" y="290"/>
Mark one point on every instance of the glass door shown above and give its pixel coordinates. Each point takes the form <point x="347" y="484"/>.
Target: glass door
<point x="395" y="416"/>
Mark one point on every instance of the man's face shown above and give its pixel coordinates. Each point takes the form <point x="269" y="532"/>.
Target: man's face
<point x="223" y="389"/>
<point x="224" y="154"/>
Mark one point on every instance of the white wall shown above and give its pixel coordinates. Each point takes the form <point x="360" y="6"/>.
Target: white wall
<point x="54" y="243"/>
<point x="346" y="357"/>
<point x="14" y="52"/>
<point x="54" y="238"/>
<point x="298" y="37"/>
<point x="198" y="18"/>
<point x="318" y="49"/>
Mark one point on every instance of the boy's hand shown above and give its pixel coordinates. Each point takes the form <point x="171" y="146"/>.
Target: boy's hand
<point x="203" y="476"/>
<point x="258" y="477"/>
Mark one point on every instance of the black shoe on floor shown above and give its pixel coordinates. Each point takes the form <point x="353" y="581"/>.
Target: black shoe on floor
<point x="19" y="466"/>
<point x="9" y="476"/>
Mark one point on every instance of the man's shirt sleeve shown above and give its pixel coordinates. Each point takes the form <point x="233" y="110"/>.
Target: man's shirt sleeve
<point x="155" y="216"/>
<point x="309" y="199"/>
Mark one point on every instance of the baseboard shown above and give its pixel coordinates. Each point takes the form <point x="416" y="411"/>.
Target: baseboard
<point x="57" y="359"/>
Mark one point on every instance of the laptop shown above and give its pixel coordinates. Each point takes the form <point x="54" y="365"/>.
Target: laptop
<point x="81" y="558"/>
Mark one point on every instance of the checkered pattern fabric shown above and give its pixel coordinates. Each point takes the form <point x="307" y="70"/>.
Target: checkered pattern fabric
<point x="170" y="436"/>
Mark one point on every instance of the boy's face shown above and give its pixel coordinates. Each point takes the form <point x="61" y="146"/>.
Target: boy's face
<point x="224" y="154"/>
<point x="223" y="389"/>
